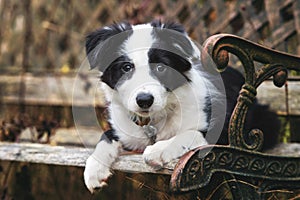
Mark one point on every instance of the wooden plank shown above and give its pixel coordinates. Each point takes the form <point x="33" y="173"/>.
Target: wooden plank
<point x="272" y="12"/>
<point x="41" y="153"/>
<point x="280" y="34"/>
<point x="72" y="156"/>
<point x="291" y="149"/>
<point x="254" y="24"/>
<point x="53" y="90"/>
<point x="270" y="95"/>
<point x="76" y="156"/>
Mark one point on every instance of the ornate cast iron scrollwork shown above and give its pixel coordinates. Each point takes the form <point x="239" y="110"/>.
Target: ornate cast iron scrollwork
<point x="201" y="163"/>
<point x="274" y="64"/>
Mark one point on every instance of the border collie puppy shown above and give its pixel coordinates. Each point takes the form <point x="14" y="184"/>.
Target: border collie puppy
<point x="160" y="101"/>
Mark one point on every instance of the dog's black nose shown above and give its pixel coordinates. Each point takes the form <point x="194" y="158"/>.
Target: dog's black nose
<point x="144" y="100"/>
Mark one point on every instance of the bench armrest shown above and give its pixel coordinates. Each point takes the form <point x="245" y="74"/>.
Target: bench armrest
<point x="274" y="63"/>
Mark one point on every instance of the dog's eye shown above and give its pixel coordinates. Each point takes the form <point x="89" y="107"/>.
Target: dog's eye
<point x="161" y="68"/>
<point x="127" y="67"/>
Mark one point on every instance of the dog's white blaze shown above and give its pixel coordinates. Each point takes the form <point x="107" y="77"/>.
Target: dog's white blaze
<point x="137" y="48"/>
<point x="141" y="39"/>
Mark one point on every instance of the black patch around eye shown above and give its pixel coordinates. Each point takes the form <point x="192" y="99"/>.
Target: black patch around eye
<point x="173" y="76"/>
<point x="114" y="75"/>
<point x="170" y="59"/>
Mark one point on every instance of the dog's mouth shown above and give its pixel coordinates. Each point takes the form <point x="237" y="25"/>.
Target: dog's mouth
<point x="141" y="118"/>
<point x="144" y="113"/>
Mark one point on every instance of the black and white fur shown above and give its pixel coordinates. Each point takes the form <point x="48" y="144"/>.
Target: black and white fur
<point x="150" y="73"/>
<point x="147" y="74"/>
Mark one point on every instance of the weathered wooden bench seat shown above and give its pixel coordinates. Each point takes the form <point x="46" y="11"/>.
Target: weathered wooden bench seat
<point x="76" y="156"/>
<point x="247" y="172"/>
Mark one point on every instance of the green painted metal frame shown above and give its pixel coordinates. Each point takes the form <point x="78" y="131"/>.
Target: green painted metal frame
<point x="195" y="169"/>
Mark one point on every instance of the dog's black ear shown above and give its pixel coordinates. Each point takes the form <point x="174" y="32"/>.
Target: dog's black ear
<point x="168" y="25"/>
<point x="172" y="37"/>
<point x="98" y="44"/>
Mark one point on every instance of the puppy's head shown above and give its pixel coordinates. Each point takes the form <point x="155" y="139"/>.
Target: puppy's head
<point x="142" y="64"/>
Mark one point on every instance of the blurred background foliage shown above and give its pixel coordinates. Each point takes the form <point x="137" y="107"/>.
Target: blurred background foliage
<point x="48" y="36"/>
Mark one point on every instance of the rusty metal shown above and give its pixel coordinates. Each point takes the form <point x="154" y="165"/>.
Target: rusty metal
<point x="201" y="163"/>
<point x="239" y="158"/>
<point x="275" y="64"/>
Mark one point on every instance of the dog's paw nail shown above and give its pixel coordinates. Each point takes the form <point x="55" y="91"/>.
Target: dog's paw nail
<point x="99" y="187"/>
<point x="96" y="190"/>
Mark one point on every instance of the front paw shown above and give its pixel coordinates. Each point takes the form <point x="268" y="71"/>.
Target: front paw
<point x="95" y="174"/>
<point x="160" y="153"/>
